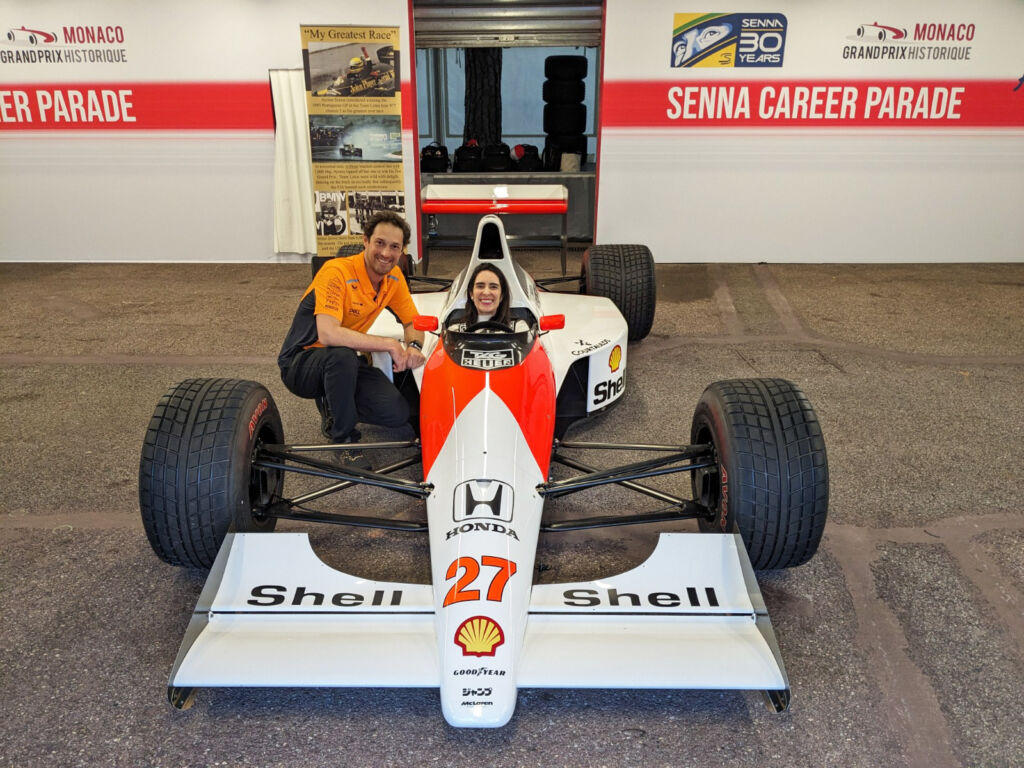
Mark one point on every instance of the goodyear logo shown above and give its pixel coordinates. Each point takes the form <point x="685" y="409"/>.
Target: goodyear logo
<point x="728" y="39"/>
<point x="479" y="636"/>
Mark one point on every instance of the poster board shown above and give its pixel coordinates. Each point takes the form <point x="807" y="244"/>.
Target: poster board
<point x="354" y="105"/>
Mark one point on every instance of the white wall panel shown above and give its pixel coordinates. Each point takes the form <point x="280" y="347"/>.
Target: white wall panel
<point x="137" y="198"/>
<point x="192" y="179"/>
<point x="795" y="198"/>
<point x="870" y="185"/>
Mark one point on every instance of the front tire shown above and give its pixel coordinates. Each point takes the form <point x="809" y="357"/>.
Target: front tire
<point x="624" y="274"/>
<point x="770" y="478"/>
<point x="196" y="478"/>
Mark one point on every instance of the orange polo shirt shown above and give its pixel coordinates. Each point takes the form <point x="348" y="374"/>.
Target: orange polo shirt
<point x="342" y="289"/>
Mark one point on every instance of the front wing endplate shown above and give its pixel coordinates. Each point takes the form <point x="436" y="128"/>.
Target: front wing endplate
<point x="273" y="614"/>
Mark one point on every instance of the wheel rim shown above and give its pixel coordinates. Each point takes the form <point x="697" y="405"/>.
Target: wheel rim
<point x="264" y="482"/>
<point x="707" y="484"/>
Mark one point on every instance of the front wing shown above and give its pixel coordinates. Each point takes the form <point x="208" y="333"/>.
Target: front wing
<point x="273" y="614"/>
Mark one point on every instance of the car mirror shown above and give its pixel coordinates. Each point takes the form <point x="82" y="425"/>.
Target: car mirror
<point x="425" y="323"/>
<point x="552" y="322"/>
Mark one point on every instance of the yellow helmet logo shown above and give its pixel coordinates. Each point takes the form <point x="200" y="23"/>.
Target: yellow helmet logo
<point x="355" y="63"/>
<point x="479" y="636"/>
<point x="615" y="358"/>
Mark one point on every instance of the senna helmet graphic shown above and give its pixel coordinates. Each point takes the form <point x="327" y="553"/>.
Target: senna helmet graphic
<point x="479" y="636"/>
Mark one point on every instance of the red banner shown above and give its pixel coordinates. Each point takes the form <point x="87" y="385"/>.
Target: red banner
<point x="813" y="104"/>
<point x="137" y="106"/>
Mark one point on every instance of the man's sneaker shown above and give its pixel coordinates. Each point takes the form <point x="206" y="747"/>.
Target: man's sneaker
<point x="353" y="457"/>
<point x="326" y="420"/>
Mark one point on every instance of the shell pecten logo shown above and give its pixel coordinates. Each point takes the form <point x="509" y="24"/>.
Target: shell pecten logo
<point x="615" y="358"/>
<point x="479" y="636"/>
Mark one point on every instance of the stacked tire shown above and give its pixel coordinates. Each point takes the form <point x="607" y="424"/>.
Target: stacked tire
<point x="565" y="114"/>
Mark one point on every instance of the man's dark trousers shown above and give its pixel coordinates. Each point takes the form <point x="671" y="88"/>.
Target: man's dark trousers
<point x="353" y="389"/>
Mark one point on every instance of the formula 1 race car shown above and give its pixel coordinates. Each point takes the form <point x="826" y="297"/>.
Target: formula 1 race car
<point x="496" y="401"/>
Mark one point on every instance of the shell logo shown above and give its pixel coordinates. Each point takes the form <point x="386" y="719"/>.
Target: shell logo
<point x="479" y="636"/>
<point x="615" y="358"/>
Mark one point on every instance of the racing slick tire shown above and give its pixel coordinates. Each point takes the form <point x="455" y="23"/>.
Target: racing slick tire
<point x="769" y="481"/>
<point x="563" y="91"/>
<point x="565" y="118"/>
<point x="196" y="478"/>
<point x="624" y="274"/>
<point x="350" y="249"/>
<point x="565" y="67"/>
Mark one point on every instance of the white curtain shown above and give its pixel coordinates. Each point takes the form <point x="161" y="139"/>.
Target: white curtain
<point x="294" y="226"/>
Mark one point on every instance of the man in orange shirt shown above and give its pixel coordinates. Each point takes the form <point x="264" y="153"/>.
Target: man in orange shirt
<point x="321" y="356"/>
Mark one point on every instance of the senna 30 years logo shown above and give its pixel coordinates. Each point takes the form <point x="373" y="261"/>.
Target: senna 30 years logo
<point x="728" y="39"/>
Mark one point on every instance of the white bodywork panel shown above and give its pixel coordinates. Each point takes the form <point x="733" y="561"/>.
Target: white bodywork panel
<point x="487" y="534"/>
<point x="383" y="633"/>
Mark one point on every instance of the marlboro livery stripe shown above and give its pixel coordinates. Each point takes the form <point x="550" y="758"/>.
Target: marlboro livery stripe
<point x="438" y="414"/>
<point x="529" y="392"/>
<point x="528" y="388"/>
<point x="689" y="103"/>
<point x="495" y="206"/>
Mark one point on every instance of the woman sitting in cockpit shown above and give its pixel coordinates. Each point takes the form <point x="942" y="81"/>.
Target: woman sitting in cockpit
<point x="487" y="297"/>
<point x="488" y="306"/>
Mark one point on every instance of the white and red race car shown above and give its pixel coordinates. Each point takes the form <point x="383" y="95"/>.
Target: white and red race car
<point x="496" y="402"/>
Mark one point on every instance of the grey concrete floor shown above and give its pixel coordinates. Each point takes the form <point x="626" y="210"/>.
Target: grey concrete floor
<point x="903" y="637"/>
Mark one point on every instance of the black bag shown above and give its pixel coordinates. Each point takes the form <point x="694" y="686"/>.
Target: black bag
<point x="555" y="146"/>
<point x="527" y="157"/>
<point x="497" y="157"/>
<point x="434" y="158"/>
<point x="468" y="158"/>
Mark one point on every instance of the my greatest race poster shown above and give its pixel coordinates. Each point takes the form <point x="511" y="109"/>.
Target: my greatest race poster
<point x="354" y="103"/>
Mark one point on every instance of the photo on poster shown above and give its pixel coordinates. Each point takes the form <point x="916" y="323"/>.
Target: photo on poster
<point x="329" y="212"/>
<point x="353" y="69"/>
<point x="362" y="205"/>
<point x="337" y="138"/>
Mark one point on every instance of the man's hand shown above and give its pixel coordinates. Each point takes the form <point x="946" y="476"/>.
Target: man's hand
<point x="405" y="358"/>
<point x="414" y="358"/>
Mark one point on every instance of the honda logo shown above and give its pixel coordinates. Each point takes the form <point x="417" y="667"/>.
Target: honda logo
<point x="488" y="499"/>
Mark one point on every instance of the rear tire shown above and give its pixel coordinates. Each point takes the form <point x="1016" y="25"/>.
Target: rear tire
<point x="196" y="478"/>
<point x="770" y="480"/>
<point x="351" y="249"/>
<point x="624" y="274"/>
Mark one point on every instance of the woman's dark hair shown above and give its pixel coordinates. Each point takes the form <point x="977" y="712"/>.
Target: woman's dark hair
<point x="501" y="314"/>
